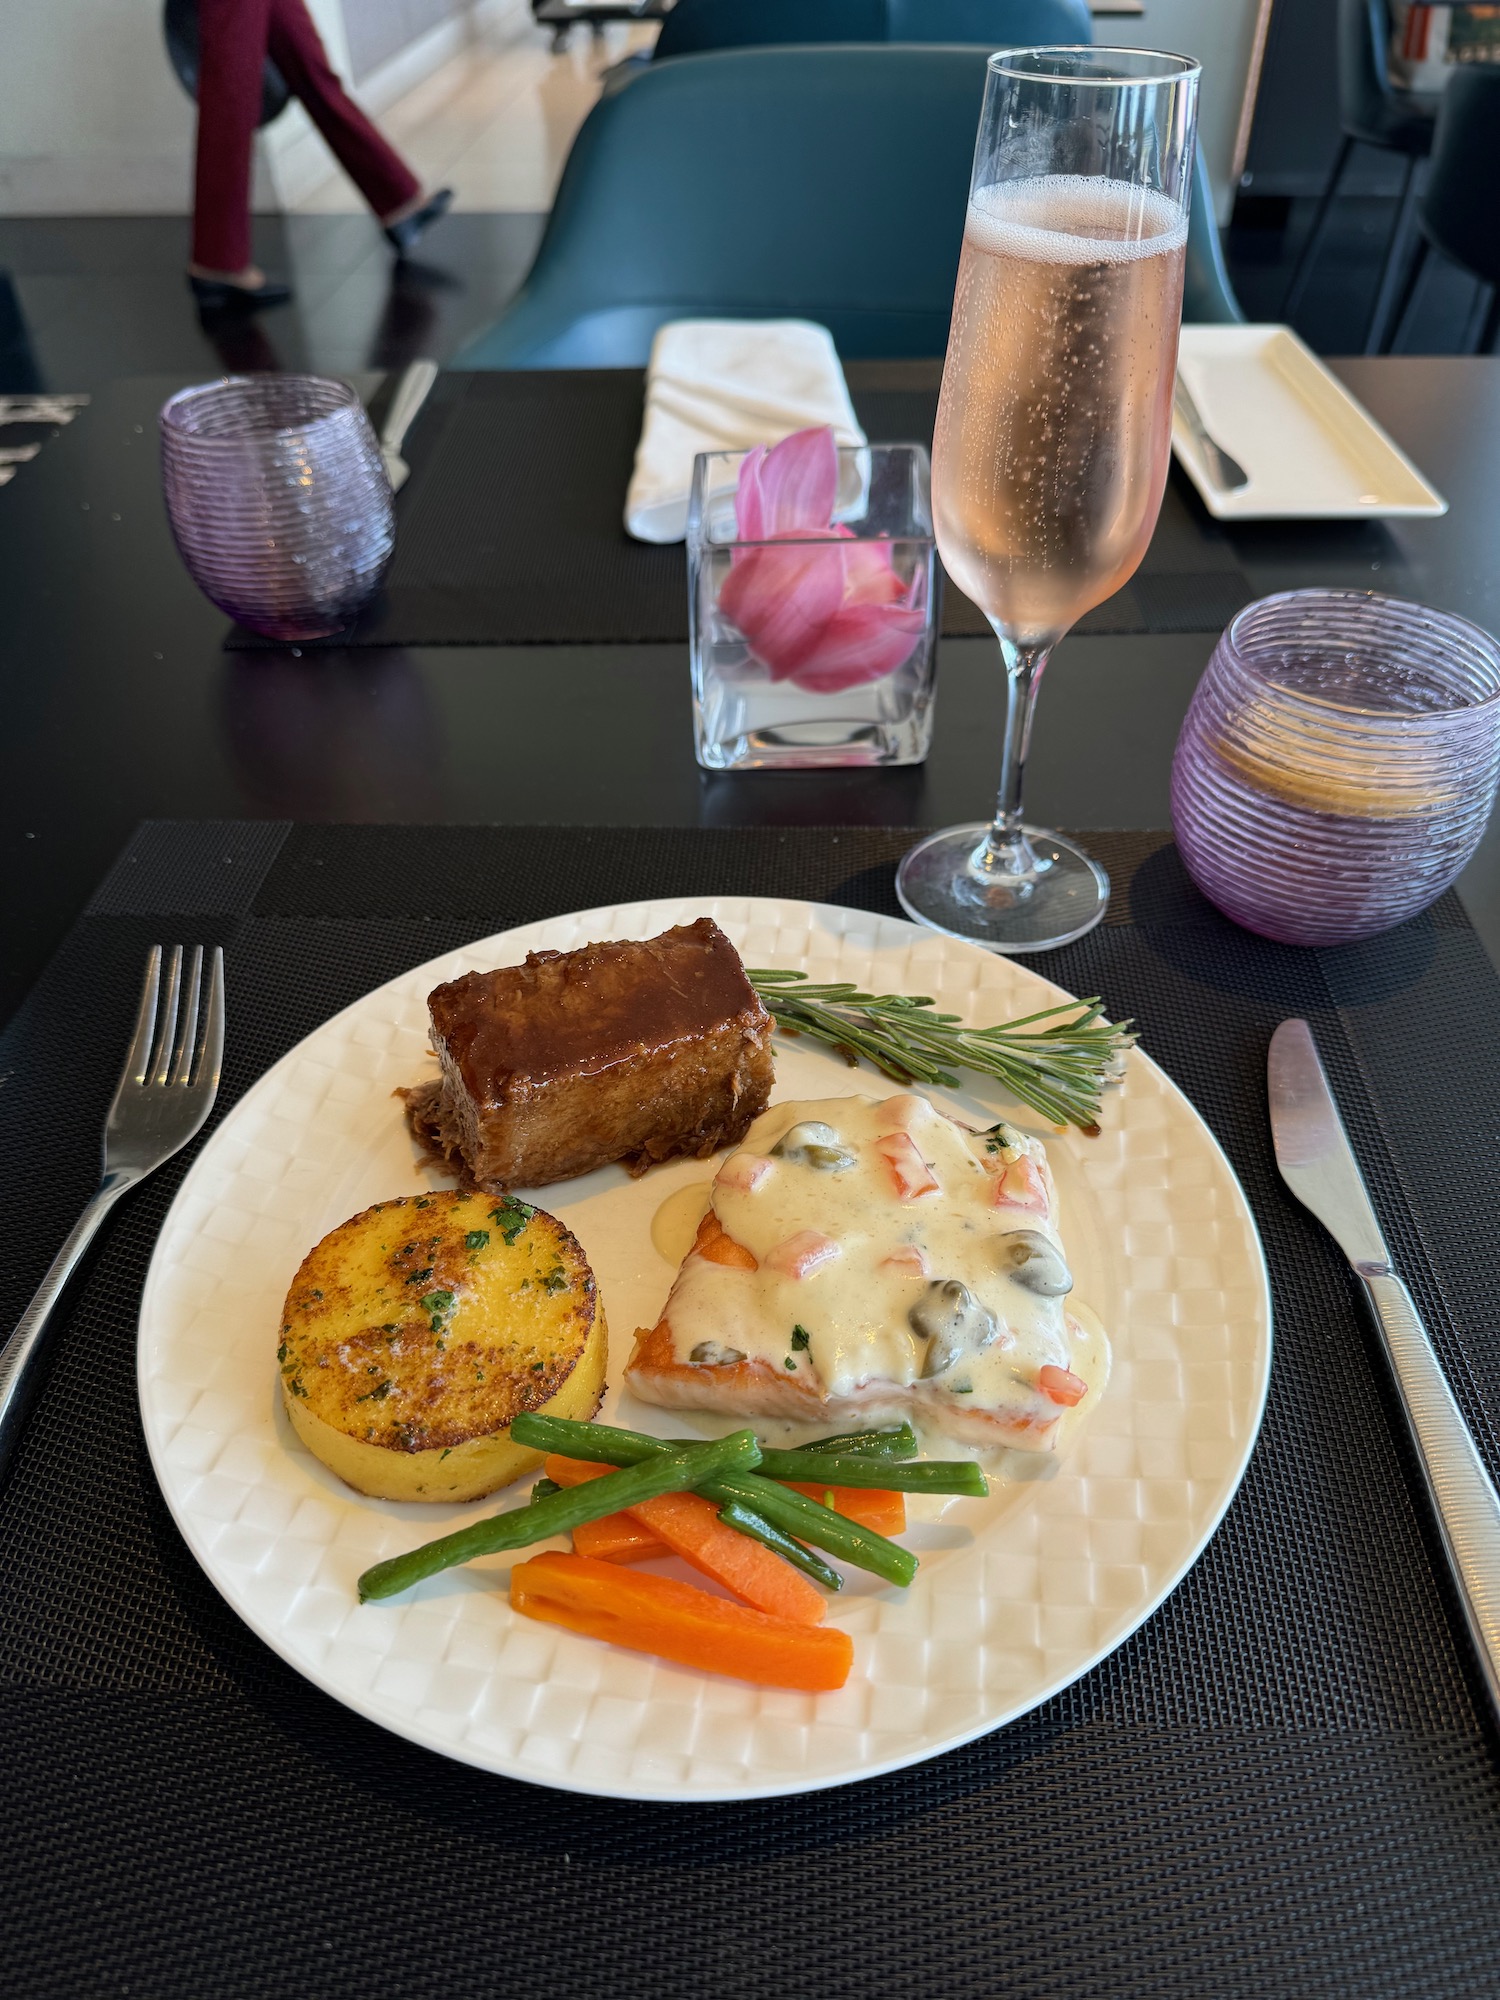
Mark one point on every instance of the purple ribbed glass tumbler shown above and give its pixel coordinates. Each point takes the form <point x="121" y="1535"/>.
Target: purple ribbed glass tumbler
<point x="278" y="500"/>
<point x="1337" y="764"/>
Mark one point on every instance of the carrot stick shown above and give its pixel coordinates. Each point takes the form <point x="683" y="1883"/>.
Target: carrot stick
<point x="694" y="1531"/>
<point x="714" y="1242"/>
<point x="656" y="1614"/>
<point x="873" y="1507"/>
<point x="617" y="1538"/>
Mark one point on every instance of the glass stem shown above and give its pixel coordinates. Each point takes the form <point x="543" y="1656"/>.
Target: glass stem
<point x="1006" y="858"/>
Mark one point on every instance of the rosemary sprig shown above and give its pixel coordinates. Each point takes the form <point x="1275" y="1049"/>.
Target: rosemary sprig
<point x="1057" y="1060"/>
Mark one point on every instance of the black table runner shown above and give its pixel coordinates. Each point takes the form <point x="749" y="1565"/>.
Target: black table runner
<point x="1280" y="1785"/>
<point x="510" y="530"/>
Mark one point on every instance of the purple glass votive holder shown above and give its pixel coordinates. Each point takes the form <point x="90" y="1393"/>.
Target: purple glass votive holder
<point x="279" y="502"/>
<point x="1337" y="763"/>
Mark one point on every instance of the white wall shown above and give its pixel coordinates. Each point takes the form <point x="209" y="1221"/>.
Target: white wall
<point x="93" y="122"/>
<point x="1218" y="33"/>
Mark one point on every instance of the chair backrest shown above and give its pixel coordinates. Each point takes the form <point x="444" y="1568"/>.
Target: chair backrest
<point x="1460" y="205"/>
<point x="1207" y="294"/>
<point x="819" y="183"/>
<point x="694" y="26"/>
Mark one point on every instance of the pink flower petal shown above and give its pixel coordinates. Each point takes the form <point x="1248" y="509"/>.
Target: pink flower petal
<point x="749" y="501"/>
<point x="861" y="642"/>
<point x="799" y="483"/>
<point x="782" y="600"/>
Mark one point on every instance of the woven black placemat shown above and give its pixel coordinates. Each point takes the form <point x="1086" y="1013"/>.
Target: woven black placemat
<point x="1279" y="1786"/>
<point x="510" y="529"/>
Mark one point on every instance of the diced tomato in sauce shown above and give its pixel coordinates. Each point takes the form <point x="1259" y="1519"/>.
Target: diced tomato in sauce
<point x="743" y="1173"/>
<point x="909" y="1171"/>
<point x="1022" y="1186"/>
<point x="802" y="1254"/>
<point x="1062" y="1385"/>
<point x="908" y="1261"/>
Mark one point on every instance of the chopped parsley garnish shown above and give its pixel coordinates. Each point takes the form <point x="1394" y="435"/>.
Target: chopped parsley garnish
<point x="801" y="1340"/>
<point x="422" y="1201"/>
<point x="789" y="1363"/>
<point x="376" y="1395"/>
<point x="476" y="1239"/>
<point x="510" y="1216"/>
<point x="437" y="1302"/>
<point x="281" y="1352"/>
<point x="556" y="1279"/>
<point x="420" y="1277"/>
<point x="296" y="1388"/>
<point x="445" y="1454"/>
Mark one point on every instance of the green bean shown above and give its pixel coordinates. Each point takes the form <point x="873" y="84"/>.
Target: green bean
<point x="793" y="1513"/>
<point x="734" y="1514"/>
<point x="900" y="1443"/>
<point x="677" y="1469"/>
<point x="937" y="1476"/>
<point x="810" y="1521"/>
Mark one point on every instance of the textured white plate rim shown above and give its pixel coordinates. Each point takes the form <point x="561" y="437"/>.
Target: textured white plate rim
<point x="390" y="1716"/>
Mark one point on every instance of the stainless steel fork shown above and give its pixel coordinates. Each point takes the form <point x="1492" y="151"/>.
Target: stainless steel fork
<point x="170" y="1080"/>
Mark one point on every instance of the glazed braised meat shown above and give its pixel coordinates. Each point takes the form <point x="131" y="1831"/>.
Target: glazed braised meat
<point x="634" y="1052"/>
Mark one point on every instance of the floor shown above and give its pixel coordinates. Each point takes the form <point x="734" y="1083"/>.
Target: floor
<point x="83" y="299"/>
<point x="497" y="121"/>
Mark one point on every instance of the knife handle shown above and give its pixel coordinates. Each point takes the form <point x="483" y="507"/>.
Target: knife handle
<point x="1463" y="1498"/>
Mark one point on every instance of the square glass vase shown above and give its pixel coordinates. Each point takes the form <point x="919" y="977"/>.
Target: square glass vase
<point x="835" y="666"/>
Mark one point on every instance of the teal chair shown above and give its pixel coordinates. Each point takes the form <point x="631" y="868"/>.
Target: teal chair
<point x="694" y="26"/>
<point x="818" y="183"/>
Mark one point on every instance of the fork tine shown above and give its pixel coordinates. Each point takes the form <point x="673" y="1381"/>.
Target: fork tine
<point x="211" y="1060"/>
<point x="168" y="1018"/>
<point x="145" y="1018"/>
<point x="188" y="1035"/>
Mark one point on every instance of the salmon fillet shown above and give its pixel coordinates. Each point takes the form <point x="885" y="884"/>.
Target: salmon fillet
<point x="817" y="1286"/>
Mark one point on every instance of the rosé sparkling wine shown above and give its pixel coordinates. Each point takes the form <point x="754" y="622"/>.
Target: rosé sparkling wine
<point x="1054" y="428"/>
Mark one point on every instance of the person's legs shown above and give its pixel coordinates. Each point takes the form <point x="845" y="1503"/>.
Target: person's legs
<point x="377" y="170"/>
<point x="232" y="47"/>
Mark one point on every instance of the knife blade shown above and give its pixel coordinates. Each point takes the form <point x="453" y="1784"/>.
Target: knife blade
<point x="1223" y="471"/>
<point x="1318" y="1165"/>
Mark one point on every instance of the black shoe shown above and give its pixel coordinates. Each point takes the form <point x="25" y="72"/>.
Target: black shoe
<point x="402" y="236"/>
<point x="218" y="295"/>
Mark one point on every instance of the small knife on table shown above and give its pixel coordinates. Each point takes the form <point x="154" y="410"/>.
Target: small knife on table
<point x="412" y="392"/>
<point x="1318" y="1165"/>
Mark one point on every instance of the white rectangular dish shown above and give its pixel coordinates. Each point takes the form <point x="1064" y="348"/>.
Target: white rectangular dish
<point x="1312" y="451"/>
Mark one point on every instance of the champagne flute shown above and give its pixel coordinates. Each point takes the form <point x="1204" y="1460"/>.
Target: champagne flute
<point x="1054" y="427"/>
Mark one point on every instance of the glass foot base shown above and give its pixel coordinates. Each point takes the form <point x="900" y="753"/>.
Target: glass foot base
<point x="940" y="887"/>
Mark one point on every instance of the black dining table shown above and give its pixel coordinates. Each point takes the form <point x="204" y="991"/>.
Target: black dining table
<point x="124" y="703"/>
<point x="1286" y="1782"/>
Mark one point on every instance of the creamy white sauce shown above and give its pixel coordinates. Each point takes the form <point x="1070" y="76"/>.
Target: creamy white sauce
<point x="844" y="1327"/>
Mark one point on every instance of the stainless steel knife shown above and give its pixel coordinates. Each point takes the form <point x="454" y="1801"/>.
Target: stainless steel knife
<point x="1224" y="472"/>
<point x="1317" y="1164"/>
<point x="412" y="392"/>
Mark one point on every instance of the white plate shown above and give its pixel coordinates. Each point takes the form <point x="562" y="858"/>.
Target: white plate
<point x="1312" y="451"/>
<point x="1016" y="1596"/>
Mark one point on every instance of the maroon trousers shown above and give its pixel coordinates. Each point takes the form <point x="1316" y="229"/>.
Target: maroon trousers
<point x="234" y="37"/>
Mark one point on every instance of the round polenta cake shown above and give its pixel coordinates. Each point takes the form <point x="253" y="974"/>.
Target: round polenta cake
<point x="415" y="1332"/>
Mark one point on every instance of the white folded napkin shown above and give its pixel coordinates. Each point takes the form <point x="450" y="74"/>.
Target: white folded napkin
<point x="725" y="385"/>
